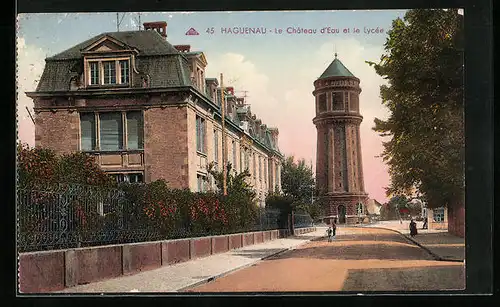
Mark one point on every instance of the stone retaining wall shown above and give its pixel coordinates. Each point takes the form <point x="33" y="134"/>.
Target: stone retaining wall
<point x="41" y="272"/>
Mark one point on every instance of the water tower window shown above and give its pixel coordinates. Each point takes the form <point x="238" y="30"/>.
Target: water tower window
<point x="322" y="102"/>
<point x="337" y="101"/>
<point x="354" y="102"/>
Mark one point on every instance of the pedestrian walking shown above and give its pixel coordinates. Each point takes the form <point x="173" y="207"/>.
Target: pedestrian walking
<point x="425" y="223"/>
<point x="413" y="228"/>
<point x="329" y="232"/>
<point x="334" y="230"/>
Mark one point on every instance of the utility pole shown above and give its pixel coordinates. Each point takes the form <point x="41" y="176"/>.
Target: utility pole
<point x="119" y="21"/>
<point x="223" y="111"/>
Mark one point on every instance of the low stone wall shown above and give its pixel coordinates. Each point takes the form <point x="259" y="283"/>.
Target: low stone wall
<point x="300" y="231"/>
<point x="47" y="271"/>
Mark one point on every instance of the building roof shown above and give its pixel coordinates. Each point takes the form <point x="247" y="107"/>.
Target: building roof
<point x="147" y="42"/>
<point x="336" y="69"/>
<point x="157" y="60"/>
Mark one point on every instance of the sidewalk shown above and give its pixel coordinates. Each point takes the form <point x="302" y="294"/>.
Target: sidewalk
<point x="442" y="245"/>
<point x="188" y="274"/>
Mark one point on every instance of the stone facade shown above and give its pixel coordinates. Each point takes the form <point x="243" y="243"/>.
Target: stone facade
<point x="339" y="169"/>
<point x="177" y="130"/>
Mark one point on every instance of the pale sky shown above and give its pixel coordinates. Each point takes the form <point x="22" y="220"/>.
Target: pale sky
<point x="277" y="70"/>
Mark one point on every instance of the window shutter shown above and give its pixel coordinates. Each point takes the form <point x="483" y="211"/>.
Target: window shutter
<point x="135" y="130"/>
<point x="111" y="131"/>
<point x="87" y="126"/>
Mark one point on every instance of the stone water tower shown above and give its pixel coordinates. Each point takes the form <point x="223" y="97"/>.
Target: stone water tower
<point x="339" y="169"/>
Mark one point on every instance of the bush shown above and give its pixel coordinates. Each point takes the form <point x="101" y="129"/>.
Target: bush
<point x="42" y="167"/>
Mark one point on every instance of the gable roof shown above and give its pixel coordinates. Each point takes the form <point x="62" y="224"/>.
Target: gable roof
<point x="147" y="42"/>
<point x="336" y="69"/>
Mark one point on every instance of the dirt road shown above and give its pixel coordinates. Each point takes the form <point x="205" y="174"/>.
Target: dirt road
<point x="359" y="259"/>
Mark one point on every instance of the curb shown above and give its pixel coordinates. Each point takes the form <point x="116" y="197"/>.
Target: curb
<point x="434" y="255"/>
<point x="212" y="278"/>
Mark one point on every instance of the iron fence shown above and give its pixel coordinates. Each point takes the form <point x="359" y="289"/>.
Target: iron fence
<point x="301" y="220"/>
<point x="69" y="216"/>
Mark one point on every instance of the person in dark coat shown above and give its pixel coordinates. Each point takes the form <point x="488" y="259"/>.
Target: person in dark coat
<point x="425" y="223"/>
<point x="329" y="233"/>
<point x="413" y="228"/>
<point x="334" y="230"/>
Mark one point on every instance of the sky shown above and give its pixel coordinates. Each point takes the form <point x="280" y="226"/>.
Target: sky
<point x="276" y="69"/>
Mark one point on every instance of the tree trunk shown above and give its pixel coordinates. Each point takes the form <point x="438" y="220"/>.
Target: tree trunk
<point x="456" y="219"/>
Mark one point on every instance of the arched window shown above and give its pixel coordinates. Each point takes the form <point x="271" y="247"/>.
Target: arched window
<point x="359" y="209"/>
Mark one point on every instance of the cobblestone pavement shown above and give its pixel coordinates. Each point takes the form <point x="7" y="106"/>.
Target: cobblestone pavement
<point x="359" y="259"/>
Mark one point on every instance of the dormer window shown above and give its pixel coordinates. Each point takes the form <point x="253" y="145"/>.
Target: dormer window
<point x="109" y="72"/>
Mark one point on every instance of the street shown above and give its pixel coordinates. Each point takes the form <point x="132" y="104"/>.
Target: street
<point x="359" y="259"/>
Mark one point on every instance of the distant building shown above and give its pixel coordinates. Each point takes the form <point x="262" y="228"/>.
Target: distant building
<point x="437" y="218"/>
<point x="145" y="109"/>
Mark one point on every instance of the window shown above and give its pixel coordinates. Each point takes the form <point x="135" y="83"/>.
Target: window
<point x="94" y="73"/>
<point x="201" y="182"/>
<point x="234" y="154"/>
<point x="88" y="131"/>
<point x="438" y="215"/>
<point x="265" y="171"/>
<point x="353" y="102"/>
<point x="260" y="168"/>
<point x="241" y="159"/>
<point x="111" y="134"/>
<point x="254" y="166"/>
<point x="135" y="137"/>
<point x="216" y="146"/>
<point x="337" y="101"/>
<point x="111" y="131"/>
<point x="109" y="72"/>
<point x="200" y="134"/>
<point x="247" y="160"/>
<point x="130" y="178"/>
<point x="124" y="71"/>
<point x="359" y="209"/>
<point x="322" y="103"/>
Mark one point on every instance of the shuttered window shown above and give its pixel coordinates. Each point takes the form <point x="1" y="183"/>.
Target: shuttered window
<point x="200" y="134"/>
<point x="234" y="154"/>
<point x="87" y="127"/>
<point x="135" y="137"/>
<point x="216" y="146"/>
<point x="111" y="131"/>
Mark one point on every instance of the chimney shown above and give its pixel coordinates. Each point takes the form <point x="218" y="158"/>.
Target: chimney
<point x="230" y="89"/>
<point x="158" y="26"/>
<point x="183" y="48"/>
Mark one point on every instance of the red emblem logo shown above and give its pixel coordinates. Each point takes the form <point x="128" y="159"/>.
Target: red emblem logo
<point x="192" y="31"/>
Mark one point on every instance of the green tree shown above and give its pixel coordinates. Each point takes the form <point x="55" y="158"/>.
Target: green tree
<point x="297" y="183"/>
<point x="240" y="201"/>
<point x="423" y="66"/>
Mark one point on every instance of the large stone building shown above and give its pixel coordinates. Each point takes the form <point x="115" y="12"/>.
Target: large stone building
<point x="146" y="110"/>
<point x="339" y="169"/>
